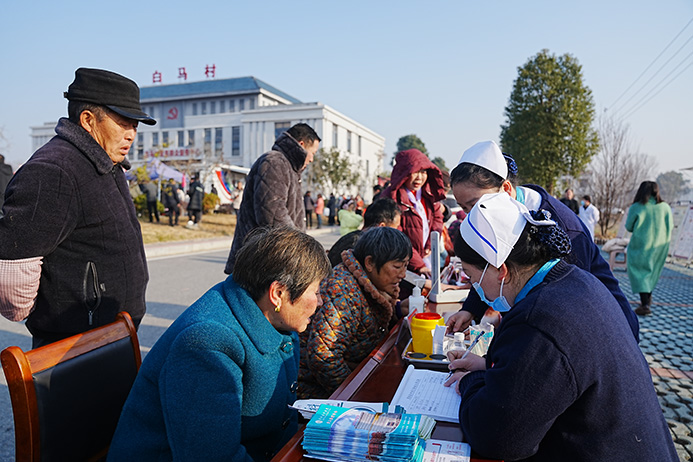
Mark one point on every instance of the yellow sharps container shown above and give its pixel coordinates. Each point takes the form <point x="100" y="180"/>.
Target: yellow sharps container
<point x="422" y="326"/>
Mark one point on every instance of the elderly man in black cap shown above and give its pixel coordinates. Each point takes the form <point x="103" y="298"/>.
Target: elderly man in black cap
<point x="71" y="252"/>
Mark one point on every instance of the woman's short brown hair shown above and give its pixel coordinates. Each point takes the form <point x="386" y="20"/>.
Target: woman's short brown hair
<point x="283" y="254"/>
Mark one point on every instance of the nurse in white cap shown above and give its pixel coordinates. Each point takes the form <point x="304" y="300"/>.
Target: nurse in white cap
<point x="563" y="378"/>
<point x="484" y="169"/>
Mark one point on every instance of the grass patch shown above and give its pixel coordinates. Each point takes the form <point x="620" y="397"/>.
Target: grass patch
<point x="212" y="226"/>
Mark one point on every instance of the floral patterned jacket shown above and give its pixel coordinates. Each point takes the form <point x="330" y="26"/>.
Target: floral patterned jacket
<point x="354" y="318"/>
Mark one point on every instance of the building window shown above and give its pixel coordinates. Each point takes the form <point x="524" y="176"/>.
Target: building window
<point x="194" y="108"/>
<point x="191" y="137"/>
<point x="251" y="103"/>
<point x="203" y="107"/>
<point x="359" y="146"/>
<point x="218" y="142"/>
<point x="155" y="139"/>
<point x="279" y="128"/>
<point x="334" y="135"/>
<point x="181" y="138"/>
<point x="348" y="141"/>
<point x="164" y="139"/>
<point x="232" y="105"/>
<point x="222" y="106"/>
<point x="241" y="104"/>
<point x="235" y="141"/>
<point x="140" y="146"/>
<point x="208" y="141"/>
<point x="212" y="107"/>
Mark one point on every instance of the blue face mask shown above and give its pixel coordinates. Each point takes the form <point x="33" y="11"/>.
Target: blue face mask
<point x="500" y="303"/>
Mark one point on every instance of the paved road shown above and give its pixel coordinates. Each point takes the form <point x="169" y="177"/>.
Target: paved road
<point x="177" y="281"/>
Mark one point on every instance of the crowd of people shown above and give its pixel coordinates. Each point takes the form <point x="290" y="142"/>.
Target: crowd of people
<point x="292" y="320"/>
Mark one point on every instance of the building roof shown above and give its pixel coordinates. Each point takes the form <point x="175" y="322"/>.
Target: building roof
<point x="210" y="87"/>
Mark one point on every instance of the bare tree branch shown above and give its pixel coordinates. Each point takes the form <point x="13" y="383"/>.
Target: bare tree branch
<point x="616" y="171"/>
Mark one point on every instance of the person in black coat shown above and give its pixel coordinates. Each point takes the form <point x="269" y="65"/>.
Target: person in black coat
<point x="150" y="192"/>
<point x="197" y="195"/>
<point x="5" y="176"/>
<point x="309" y="206"/>
<point x="332" y="205"/>
<point x="569" y="201"/>
<point x="172" y="202"/>
<point x="563" y="378"/>
<point x="70" y="230"/>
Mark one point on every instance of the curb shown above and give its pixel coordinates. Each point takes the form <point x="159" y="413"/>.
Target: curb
<point x="166" y="249"/>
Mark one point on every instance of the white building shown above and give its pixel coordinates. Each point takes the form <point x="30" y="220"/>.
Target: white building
<point x="234" y="121"/>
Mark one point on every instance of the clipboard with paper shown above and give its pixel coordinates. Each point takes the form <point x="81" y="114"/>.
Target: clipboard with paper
<point x="422" y="391"/>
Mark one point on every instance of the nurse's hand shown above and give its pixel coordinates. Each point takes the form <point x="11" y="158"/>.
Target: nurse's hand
<point x="459" y="321"/>
<point x="454" y="379"/>
<point x="470" y="363"/>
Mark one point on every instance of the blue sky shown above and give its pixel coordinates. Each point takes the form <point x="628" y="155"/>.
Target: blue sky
<point x="442" y="70"/>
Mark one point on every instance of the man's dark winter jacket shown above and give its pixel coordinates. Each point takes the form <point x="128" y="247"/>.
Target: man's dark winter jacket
<point x="272" y="194"/>
<point x="565" y="381"/>
<point x="170" y="196"/>
<point x="197" y="195"/>
<point x="584" y="254"/>
<point x="71" y="205"/>
<point x="149" y="190"/>
<point x="5" y="177"/>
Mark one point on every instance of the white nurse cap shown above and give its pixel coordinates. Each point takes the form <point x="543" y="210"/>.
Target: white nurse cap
<point x="494" y="225"/>
<point x="486" y="154"/>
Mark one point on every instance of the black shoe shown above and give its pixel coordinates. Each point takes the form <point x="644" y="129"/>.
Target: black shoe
<point x="643" y="310"/>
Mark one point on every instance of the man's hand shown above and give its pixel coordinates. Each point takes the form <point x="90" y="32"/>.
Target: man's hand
<point x="459" y="321"/>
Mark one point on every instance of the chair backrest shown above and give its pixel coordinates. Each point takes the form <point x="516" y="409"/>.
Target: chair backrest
<point x="67" y="396"/>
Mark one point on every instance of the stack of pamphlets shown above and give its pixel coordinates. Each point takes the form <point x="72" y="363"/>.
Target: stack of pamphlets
<point x="308" y="407"/>
<point x="339" y="434"/>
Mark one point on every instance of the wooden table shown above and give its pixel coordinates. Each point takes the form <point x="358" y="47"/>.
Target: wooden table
<point x="376" y="380"/>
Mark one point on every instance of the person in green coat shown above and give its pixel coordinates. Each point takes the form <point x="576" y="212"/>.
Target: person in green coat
<point x="348" y="219"/>
<point x="650" y="221"/>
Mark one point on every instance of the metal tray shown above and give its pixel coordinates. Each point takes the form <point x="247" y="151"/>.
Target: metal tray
<point x="424" y="361"/>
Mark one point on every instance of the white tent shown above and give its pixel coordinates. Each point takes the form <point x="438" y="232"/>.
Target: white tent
<point x="224" y="175"/>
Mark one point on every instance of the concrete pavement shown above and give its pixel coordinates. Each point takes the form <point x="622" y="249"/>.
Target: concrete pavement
<point x="666" y="339"/>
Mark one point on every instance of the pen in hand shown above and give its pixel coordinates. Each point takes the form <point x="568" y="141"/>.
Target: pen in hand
<point x="471" y="347"/>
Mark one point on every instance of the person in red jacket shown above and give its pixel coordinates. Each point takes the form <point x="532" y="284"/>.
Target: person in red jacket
<point x="416" y="185"/>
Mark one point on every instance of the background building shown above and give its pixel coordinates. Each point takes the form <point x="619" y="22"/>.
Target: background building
<point x="232" y="122"/>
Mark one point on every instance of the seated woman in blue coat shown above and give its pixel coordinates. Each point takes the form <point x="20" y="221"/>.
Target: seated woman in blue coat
<point x="552" y="386"/>
<point x="216" y="385"/>
<point x="484" y="169"/>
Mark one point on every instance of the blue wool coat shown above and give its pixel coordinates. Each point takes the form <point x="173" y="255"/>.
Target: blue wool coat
<point x="584" y="254"/>
<point x="564" y="381"/>
<point x="214" y="387"/>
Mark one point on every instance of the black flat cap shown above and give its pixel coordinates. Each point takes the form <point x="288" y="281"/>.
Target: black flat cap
<point x="109" y="89"/>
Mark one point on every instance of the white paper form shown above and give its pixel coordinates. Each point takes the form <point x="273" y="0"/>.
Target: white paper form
<point x="446" y="451"/>
<point x="422" y="391"/>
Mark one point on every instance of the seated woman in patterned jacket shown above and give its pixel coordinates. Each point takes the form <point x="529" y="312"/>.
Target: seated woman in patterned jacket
<point x="359" y="305"/>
